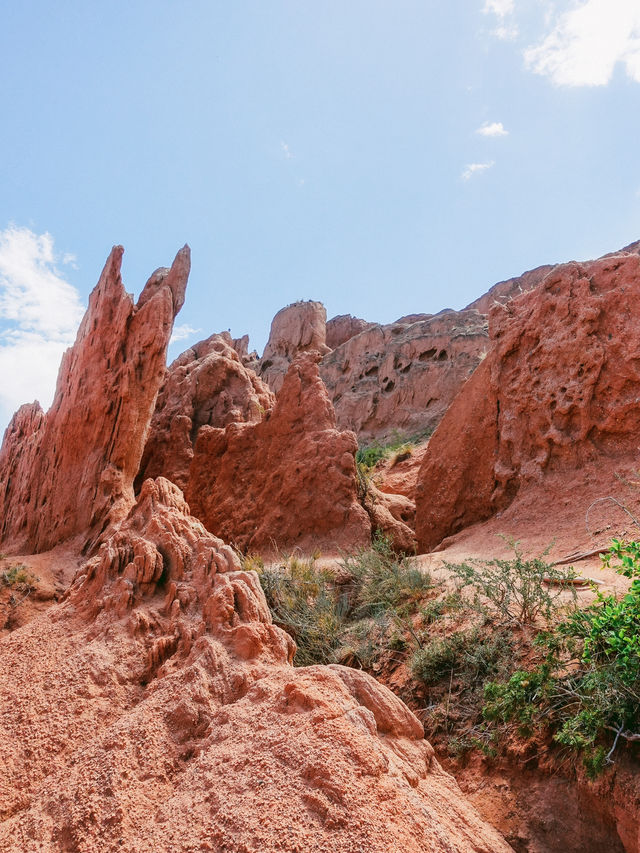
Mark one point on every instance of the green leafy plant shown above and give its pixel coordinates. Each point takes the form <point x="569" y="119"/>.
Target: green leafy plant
<point x="587" y="690"/>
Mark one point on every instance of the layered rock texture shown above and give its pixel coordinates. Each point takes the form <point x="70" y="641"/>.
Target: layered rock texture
<point x="208" y="385"/>
<point x="402" y="377"/>
<point x="552" y="413"/>
<point x="71" y="471"/>
<point x="381" y="379"/>
<point x="159" y="712"/>
<point x="289" y="480"/>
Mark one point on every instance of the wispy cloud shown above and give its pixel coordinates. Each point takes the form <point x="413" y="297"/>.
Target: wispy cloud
<point x="182" y="332"/>
<point x="503" y="10"/>
<point x="587" y="42"/>
<point x="39" y="317"/>
<point x="475" y="169"/>
<point x="288" y="153"/>
<point x="495" y="128"/>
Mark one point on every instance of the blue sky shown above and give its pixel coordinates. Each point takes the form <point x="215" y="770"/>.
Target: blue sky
<point x="383" y="157"/>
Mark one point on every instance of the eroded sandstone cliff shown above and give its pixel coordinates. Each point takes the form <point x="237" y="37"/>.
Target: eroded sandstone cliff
<point x="71" y="471"/>
<point x="159" y="712"/>
<point x="286" y="481"/>
<point x="556" y="396"/>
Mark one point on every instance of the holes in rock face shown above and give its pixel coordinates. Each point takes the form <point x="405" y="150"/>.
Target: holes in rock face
<point x="427" y="356"/>
<point x="371" y="371"/>
<point x="406" y="368"/>
<point x="167" y="566"/>
<point x="266" y="365"/>
<point x="388" y="385"/>
<point x="442" y="355"/>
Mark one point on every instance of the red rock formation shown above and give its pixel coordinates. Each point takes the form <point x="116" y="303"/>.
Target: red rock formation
<point x="300" y="327"/>
<point x="402" y="377"/>
<point x="90" y="442"/>
<point x="398" y="475"/>
<point x="18" y="459"/>
<point x="558" y="394"/>
<point x="287" y="481"/>
<point x="503" y="291"/>
<point x="393" y="515"/>
<point x="159" y="712"/>
<point x="342" y="328"/>
<point x="206" y="385"/>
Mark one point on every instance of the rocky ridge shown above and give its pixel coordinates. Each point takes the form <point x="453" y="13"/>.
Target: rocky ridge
<point x="158" y="686"/>
<point x="178" y="698"/>
<point x="71" y="471"/>
<point x="556" y="395"/>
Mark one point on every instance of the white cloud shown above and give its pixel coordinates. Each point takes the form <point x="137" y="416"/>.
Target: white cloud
<point x="288" y="153"/>
<point x="506" y="33"/>
<point x="475" y="169"/>
<point x="501" y="8"/>
<point x="588" y="41"/>
<point x="496" y="128"/>
<point x="181" y="333"/>
<point x="39" y="316"/>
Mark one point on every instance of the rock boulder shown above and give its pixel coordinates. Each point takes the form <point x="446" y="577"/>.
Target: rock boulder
<point x="208" y="385"/>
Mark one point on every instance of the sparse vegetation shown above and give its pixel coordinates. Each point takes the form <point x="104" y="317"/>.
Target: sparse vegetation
<point x="17" y="577"/>
<point x="464" y="657"/>
<point x="374" y="590"/>
<point x="519" y="590"/>
<point x="308" y="604"/>
<point x="586" y="690"/>
<point x="397" y="448"/>
<point x="383" y="581"/>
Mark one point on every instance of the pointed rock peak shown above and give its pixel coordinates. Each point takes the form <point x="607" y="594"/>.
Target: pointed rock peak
<point x="112" y="268"/>
<point x="174" y="277"/>
<point x="71" y="472"/>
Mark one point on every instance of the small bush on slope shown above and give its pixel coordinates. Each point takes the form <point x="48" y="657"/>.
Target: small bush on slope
<point x="587" y="689"/>
<point x="320" y="613"/>
<point x="514" y="590"/>
<point x="399" y="447"/>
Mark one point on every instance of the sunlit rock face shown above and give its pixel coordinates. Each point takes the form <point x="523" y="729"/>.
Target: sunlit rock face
<point x="289" y="480"/>
<point x="558" y="393"/>
<point x="71" y="471"/>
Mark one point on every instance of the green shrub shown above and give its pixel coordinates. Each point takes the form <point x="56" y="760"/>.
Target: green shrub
<point x="588" y="688"/>
<point x="469" y="654"/>
<point x="396" y="448"/>
<point x="304" y="602"/>
<point x="514" y="590"/>
<point x="17" y="576"/>
<point x="359" y="619"/>
<point x="383" y="580"/>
